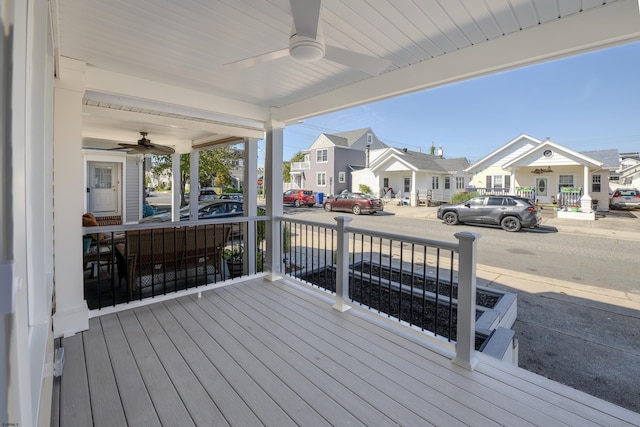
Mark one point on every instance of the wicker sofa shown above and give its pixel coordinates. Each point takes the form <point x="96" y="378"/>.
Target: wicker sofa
<point x="170" y="255"/>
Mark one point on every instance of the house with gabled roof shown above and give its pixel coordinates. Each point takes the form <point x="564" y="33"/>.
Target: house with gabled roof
<point x="331" y="158"/>
<point x="544" y="168"/>
<point x="629" y="175"/>
<point x="417" y="176"/>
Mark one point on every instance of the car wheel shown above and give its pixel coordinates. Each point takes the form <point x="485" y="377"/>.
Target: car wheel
<point x="296" y="203"/>
<point x="310" y="205"/>
<point x="510" y="223"/>
<point x="327" y="207"/>
<point x="356" y="210"/>
<point x="450" y="218"/>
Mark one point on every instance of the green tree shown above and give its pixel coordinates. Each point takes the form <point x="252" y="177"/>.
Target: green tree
<point x="286" y="166"/>
<point x="215" y="166"/>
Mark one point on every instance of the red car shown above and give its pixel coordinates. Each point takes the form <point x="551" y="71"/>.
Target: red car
<point x="298" y="198"/>
<point x="354" y="202"/>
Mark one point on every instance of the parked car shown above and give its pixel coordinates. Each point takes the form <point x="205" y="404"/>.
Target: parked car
<point x="207" y="194"/>
<point x="510" y="212"/>
<point x="353" y="202"/>
<point x="625" y="198"/>
<point x="298" y="198"/>
<point x="231" y="196"/>
<point x="206" y="210"/>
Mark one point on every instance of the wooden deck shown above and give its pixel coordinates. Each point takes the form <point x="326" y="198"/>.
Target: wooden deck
<point x="262" y="353"/>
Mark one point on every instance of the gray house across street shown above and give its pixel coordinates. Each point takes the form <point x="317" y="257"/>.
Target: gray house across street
<point x="331" y="158"/>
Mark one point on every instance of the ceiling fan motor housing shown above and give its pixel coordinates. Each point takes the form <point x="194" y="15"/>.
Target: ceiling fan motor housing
<point x="305" y="49"/>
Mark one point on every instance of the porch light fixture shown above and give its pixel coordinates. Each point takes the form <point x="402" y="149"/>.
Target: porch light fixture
<point x="539" y="171"/>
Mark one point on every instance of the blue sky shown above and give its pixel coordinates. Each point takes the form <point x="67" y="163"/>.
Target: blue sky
<point x="586" y="102"/>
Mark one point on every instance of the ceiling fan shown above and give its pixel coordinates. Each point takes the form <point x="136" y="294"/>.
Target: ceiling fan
<point x="144" y="146"/>
<point x="306" y="44"/>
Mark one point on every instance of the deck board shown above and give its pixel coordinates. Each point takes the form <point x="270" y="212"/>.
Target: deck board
<point x="263" y="353"/>
<point x="480" y="396"/>
<point x="75" y="405"/>
<point x="198" y="402"/>
<point x="312" y="361"/>
<point x="298" y="395"/>
<point x="136" y="402"/>
<point x="258" y="400"/>
<point x="106" y="406"/>
<point x="337" y="359"/>
<point x="166" y="400"/>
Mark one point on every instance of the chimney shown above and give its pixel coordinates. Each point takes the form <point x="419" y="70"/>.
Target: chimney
<point x="366" y="155"/>
<point x="440" y="151"/>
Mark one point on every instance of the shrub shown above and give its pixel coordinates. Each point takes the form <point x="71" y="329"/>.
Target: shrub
<point x="364" y="189"/>
<point x="286" y="238"/>
<point x="463" y="197"/>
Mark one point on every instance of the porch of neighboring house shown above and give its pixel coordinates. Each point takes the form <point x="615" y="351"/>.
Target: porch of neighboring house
<point x="276" y="353"/>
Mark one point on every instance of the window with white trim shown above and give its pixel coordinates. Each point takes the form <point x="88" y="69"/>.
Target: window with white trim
<point x="435" y="182"/>
<point x="447" y="183"/>
<point x="498" y="181"/>
<point x="596" y="183"/>
<point x="407" y="185"/>
<point x="369" y="138"/>
<point x="321" y="179"/>
<point x="565" y="181"/>
<point x="459" y="182"/>
<point x="322" y="155"/>
<point x="342" y="177"/>
<point x="385" y="182"/>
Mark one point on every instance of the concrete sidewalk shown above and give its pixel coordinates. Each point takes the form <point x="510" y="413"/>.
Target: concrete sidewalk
<point x="583" y="336"/>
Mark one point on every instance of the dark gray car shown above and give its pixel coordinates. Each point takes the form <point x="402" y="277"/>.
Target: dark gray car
<point x="510" y="212"/>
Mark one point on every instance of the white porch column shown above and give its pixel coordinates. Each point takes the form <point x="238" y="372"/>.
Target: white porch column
<point x="342" y="273"/>
<point x="72" y="313"/>
<point x="194" y="184"/>
<point x="273" y="196"/>
<point x="512" y="190"/>
<point x="585" y="200"/>
<point x="413" y="197"/>
<point x="251" y="198"/>
<point x="466" y="332"/>
<point x="175" y="187"/>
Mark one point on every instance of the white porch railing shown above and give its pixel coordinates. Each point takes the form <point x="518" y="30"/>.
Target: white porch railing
<point x="299" y="166"/>
<point x="428" y="285"/>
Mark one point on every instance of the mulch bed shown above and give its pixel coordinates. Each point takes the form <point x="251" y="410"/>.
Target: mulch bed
<point x="418" y="310"/>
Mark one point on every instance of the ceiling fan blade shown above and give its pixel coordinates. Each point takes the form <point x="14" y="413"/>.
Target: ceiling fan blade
<point x="161" y="150"/>
<point x="250" y="62"/>
<point x="124" y="146"/>
<point x="306" y="16"/>
<point x="369" y="64"/>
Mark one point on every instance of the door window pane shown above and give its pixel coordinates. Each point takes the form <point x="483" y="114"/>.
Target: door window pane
<point x="102" y="177"/>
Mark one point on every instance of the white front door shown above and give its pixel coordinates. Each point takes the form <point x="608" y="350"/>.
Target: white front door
<point x="103" y="197"/>
<point x="542" y="190"/>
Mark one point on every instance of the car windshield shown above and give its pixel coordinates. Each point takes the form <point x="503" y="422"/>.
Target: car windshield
<point x="629" y="192"/>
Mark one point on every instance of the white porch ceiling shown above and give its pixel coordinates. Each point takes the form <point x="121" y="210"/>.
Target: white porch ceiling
<point x="158" y="65"/>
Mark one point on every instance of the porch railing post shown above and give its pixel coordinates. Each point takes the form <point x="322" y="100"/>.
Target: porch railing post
<point x="342" y="260"/>
<point x="466" y="327"/>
